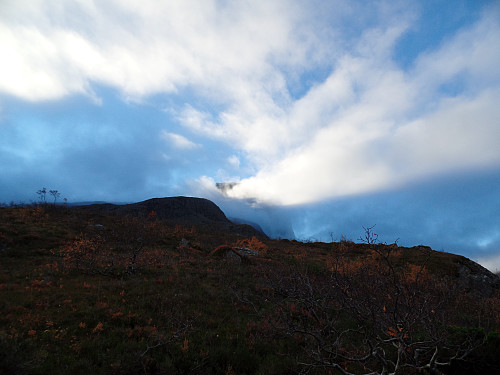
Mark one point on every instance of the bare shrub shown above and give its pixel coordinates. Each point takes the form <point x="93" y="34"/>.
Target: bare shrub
<point x="374" y="315"/>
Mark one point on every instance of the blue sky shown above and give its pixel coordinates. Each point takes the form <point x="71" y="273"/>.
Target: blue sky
<point x="331" y="115"/>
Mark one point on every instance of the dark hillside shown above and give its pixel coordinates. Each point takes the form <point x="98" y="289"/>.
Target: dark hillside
<point x="177" y="210"/>
<point x="109" y="289"/>
<point x="184" y="209"/>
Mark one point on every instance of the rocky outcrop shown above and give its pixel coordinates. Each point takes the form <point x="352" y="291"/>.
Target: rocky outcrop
<point x="235" y="255"/>
<point x="224" y="187"/>
<point x="474" y="278"/>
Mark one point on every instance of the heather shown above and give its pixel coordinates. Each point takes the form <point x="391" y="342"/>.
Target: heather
<point x="86" y="291"/>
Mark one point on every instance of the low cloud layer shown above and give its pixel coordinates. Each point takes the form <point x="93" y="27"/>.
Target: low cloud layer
<point x="377" y="126"/>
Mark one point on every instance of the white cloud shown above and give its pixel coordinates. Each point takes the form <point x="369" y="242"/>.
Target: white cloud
<point x="32" y="66"/>
<point x="234" y="161"/>
<point x="374" y="126"/>
<point x="460" y="134"/>
<point x="471" y="57"/>
<point x="178" y="141"/>
<point x="56" y="47"/>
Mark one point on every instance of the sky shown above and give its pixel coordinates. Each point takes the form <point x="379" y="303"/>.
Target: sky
<point x="330" y="115"/>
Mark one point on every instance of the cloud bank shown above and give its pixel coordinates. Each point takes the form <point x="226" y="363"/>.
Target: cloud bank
<point x="376" y="126"/>
<point x="364" y="123"/>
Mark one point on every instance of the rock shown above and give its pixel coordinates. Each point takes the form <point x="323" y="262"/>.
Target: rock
<point x="474" y="278"/>
<point x="233" y="257"/>
<point x="243" y="251"/>
<point x="184" y="242"/>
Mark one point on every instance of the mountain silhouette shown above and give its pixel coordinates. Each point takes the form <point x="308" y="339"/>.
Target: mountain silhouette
<point x="178" y="210"/>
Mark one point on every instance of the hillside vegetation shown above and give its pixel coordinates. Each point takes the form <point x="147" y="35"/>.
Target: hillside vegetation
<point x="88" y="291"/>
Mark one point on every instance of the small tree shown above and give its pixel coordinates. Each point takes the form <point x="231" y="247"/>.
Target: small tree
<point x="42" y="195"/>
<point x="376" y="315"/>
<point x="55" y="194"/>
<point x="125" y="248"/>
<point x="369" y="238"/>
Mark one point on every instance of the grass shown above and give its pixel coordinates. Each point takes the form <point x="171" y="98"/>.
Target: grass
<point x="182" y="311"/>
<point x="175" y="317"/>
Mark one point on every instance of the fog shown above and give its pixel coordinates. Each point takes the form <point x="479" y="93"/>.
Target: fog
<point x="456" y="213"/>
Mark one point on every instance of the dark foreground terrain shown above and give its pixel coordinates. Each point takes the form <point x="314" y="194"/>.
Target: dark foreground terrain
<point x="153" y="290"/>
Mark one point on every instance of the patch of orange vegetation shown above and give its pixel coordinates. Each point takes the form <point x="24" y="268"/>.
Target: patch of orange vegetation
<point x="254" y="243"/>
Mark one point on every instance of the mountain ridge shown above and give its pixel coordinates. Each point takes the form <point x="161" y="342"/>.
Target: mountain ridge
<point x="178" y="210"/>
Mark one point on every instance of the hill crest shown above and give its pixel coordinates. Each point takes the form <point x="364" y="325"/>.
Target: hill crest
<point x="178" y="210"/>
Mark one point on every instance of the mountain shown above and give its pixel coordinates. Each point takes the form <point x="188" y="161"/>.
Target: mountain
<point x="178" y="210"/>
<point x="238" y="220"/>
